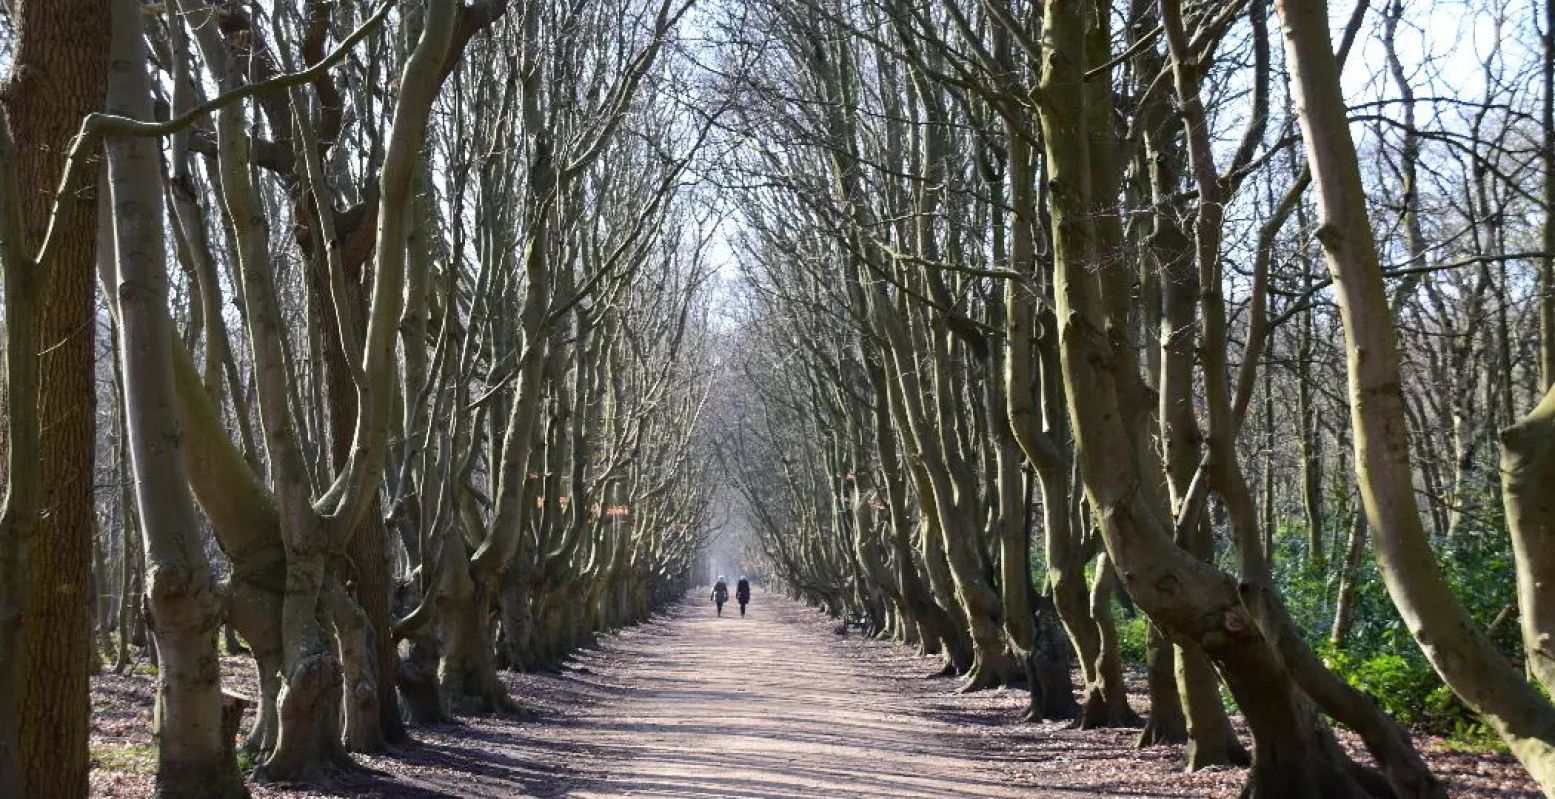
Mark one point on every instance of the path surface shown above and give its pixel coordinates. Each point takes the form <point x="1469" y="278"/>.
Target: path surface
<point x="774" y="706"/>
<point x="764" y="707"/>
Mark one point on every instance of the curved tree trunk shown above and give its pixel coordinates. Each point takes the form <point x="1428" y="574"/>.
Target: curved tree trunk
<point x="1106" y="695"/>
<point x="1462" y="655"/>
<point x="1180" y="592"/>
<point x="1527" y="473"/>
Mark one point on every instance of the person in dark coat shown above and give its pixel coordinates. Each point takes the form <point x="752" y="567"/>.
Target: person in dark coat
<point x="742" y="594"/>
<point x="720" y="594"/>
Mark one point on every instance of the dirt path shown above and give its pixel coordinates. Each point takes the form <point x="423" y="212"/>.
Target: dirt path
<point x="773" y="706"/>
<point x="764" y="706"/>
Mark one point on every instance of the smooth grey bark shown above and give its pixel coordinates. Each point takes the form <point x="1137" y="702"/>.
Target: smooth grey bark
<point x="1457" y="649"/>
<point x="193" y="760"/>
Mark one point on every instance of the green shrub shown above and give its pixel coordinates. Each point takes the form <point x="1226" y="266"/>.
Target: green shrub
<point x="1380" y="656"/>
<point x="1132" y="635"/>
<point x="1409" y="690"/>
<point x="1397" y="682"/>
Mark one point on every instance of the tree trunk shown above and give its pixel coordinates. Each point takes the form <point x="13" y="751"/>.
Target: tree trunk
<point x="1527" y="472"/>
<point x="1180" y="592"/>
<point x="58" y="75"/>
<point x="1344" y="603"/>
<point x="1547" y="263"/>
<point x="1166" y="724"/>
<point x="1462" y="655"/>
<point x="193" y="758"/>
<point x="131" y="572"/>
<point x="1106" y="696"/>
<point x="416" y="674"/>
<point x="468" y="674"/>
<point x="1311" y="443"/>
<point x="362" y="729"/>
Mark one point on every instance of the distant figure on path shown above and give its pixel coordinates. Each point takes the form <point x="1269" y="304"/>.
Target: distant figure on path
<point x="720" y="594"/>
<point x="742" y="593"/>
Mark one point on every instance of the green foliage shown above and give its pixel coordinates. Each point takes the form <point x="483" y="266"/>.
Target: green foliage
<point x="1401" y="684"/>
<point x="1309" y="592"/>
<point x="1477" y="563"/>
<point x="1132" y="634"/>
<point x="1406" y="686"/>
<point x="1380" y="656"/>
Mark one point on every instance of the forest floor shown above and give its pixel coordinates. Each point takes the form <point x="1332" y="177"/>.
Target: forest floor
<point x="772" y="706"/>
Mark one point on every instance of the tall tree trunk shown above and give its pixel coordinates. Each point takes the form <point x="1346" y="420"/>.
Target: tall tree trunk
<point x="1292" y="757"/>
<point x="938" y="633"/>
<point x="1106" y="697"/>
<point x="1168" y="251"/>
<point x="131" y="573"/>
<point x="59" y="73"/>
<point x="1528" y="447"/>
<point x="18" y="523"/>
<point x="1547" y="263"/>
<point x="1467" y="661"/>
<point x="1311" y="442"/>
<point x="1034" y="399"/>
<point x="1527" y="469"/>
<point x="193" y="758"/>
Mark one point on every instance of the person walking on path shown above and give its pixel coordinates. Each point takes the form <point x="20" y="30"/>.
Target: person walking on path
<point x="742" y="593"/>
<point x="720" y="594"/>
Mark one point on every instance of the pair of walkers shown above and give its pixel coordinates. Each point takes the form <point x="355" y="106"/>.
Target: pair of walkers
<point x="742" y="594"/>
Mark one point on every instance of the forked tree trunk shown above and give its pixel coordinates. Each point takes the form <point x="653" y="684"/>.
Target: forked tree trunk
<point x="1180" y="592"/>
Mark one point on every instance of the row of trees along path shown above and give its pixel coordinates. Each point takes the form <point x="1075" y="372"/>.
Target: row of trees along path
<point x="407" y="347"/>
<point x="782" y="704"/>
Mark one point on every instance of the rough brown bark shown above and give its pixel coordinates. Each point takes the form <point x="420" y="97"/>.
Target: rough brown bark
<point x="58" y="76"/>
